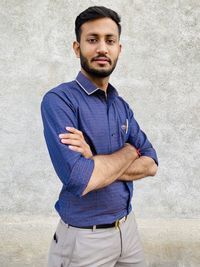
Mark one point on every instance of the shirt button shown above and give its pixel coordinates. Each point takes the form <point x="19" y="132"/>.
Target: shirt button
<point x="112" y="134"/>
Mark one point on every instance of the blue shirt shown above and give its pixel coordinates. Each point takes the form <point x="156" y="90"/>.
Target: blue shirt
<point x="107" y="124"/>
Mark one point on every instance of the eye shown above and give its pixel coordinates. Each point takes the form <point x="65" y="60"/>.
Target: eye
<point x="110" y="41"/>
<point x="92" y="40"/>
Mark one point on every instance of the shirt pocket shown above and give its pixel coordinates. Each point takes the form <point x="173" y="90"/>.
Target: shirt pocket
<point x="123" y="131"/>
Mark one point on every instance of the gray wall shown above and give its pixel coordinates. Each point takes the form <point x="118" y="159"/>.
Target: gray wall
<point x="158" y="74"/>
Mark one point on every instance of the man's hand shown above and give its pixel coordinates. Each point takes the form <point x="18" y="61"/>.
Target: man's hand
<point x="76" y="142"/>
<point x="140" y="168"/>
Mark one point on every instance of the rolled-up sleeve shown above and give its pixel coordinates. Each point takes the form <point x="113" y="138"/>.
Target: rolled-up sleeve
<point x="71" y="167"/>
<point x="139" y="139"/>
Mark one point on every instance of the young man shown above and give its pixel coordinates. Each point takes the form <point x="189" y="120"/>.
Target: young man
<point x="97" y="149"/>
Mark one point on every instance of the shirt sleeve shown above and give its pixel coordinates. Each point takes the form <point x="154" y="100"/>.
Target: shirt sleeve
<point x="139" y="139"/>
<point x="71" y="167"/>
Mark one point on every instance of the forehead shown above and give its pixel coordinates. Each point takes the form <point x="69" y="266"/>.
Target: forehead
<point x="102" y="26"/>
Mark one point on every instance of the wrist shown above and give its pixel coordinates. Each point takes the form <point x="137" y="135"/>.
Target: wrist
<point x="138" y="152"/>
<point x="133" y="150"/>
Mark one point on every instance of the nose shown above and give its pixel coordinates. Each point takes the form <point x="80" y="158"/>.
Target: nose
<point x="102" y="48"/>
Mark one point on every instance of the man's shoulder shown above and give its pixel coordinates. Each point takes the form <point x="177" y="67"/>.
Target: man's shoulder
<point x="62" y="88"/>
<point x="64" y="91"/>
<point x="62" y="94"/>
<point x="122" y="101"/>
<point x="124" y="105"/>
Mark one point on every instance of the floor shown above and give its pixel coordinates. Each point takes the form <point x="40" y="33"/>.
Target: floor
<point x="167" y="243"/>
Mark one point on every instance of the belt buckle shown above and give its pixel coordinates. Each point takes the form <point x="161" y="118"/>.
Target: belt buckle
<point x="119" y="221"/>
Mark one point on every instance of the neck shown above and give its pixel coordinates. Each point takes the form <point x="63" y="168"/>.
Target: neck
<point x="101" y="83"/>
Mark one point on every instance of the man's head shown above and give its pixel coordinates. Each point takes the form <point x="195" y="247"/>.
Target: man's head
<point x="92" y="13"/>
<point x="97" y="44"/>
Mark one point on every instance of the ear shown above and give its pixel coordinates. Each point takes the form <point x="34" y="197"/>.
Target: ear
<point x="76" y="47"/>
<point x="120" y="48"/>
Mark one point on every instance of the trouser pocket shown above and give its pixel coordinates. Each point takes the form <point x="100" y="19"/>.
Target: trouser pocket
<point x="62" y="246"/>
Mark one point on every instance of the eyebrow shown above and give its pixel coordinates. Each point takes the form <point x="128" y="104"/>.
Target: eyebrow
<point x="107" y="35"/>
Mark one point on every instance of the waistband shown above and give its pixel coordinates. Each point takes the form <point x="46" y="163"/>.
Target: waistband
<point x="115" y="224"/>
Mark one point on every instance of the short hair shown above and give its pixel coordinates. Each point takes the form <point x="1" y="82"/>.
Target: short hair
<point x="95" y="12"/>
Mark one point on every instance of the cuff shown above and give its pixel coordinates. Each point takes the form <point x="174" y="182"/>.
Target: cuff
<point x="149" y="153"/>
<point x="80" y="176"/>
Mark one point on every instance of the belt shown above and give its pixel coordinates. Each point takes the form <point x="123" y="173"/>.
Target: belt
<point x="115" y="224"/>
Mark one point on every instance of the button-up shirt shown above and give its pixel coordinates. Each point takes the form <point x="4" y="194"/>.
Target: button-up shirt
<point x="107" y="123"/>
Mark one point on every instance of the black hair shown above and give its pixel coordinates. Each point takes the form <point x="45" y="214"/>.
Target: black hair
<point x="92" y="13"/>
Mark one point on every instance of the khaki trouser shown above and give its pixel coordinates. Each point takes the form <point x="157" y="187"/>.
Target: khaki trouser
<point x="110" y="247"/>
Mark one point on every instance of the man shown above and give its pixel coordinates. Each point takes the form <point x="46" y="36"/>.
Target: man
<point x="97" y="149"/>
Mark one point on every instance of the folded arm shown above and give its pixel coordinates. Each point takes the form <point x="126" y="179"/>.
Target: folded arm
<point x="79" y="174"/>
<point x="109" y="167"/>
<point x="140" y="168"/>
<point x="113" y="166"/>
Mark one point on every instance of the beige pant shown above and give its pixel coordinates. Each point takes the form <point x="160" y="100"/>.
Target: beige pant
<point x="110" y="247"/>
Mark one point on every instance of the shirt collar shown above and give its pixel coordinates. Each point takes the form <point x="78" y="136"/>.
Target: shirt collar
<point x="86" y="84"/>
<point x="89" y="87"/>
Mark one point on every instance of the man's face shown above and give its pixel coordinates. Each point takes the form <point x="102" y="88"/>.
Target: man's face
<point x="99" y="47"/>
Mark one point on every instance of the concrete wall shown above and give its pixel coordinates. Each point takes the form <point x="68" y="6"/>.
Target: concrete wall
<point x="158" y="73"/>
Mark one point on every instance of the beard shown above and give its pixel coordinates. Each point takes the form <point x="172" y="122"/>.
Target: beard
<point x="98" y="73"/>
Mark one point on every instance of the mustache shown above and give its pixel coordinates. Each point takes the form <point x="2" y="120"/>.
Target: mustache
<point x="101" y="56"/>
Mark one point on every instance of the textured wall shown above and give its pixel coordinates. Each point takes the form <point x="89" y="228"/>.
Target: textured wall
<point x="158" y="73"/>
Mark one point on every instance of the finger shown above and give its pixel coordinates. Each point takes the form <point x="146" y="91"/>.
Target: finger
<point x="77" y="149"/>
<point x="74" y="130"/>
<point x="72" y="142"/>
<point x="63" y="135"/>
<point x="70" y="136"/>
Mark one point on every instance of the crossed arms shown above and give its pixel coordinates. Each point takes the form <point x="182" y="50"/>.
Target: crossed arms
<point x="124" y="164"/>
<point x="96" y="171"/>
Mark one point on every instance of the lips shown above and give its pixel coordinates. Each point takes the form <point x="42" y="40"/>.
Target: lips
<point x="101" y="59"/>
